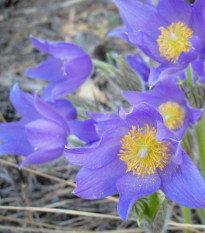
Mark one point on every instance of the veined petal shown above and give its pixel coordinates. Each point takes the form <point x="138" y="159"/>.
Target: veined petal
<point x="99" y="183"/>
<point x="132" y="187"/>
<point x="184" y="183"/>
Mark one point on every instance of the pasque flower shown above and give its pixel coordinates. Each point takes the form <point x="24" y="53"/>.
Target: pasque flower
<point x="170" y="101"/>
<point x="174" y="38"/>
<point x="41" y="134"/>
<point x="66" y="69"/>
<point x="135" y="156"/>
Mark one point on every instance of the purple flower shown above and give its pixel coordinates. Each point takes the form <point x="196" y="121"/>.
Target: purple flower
<point x="66" y="69"/>
<point x="41" y="134"/>
<point x="135" y="156"/>
<point x="174" y="38"/>
<point x="170" y="101"/>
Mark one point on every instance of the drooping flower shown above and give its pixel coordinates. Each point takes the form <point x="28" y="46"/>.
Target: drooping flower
<point x="170" y="101"/>
<point x="41" y="134"/>
<point x="66" y="69"/>
<point x="135" y="156"/>
<point x="174" y="38"/>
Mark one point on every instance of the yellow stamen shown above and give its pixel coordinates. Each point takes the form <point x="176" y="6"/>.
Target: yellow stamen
<point x="142" y="152"/>
<point x="174" y="40"/>
<point x="172" y="114"/>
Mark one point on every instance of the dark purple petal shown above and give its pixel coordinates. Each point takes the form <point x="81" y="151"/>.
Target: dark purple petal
<point x="60" y="50"/>
<point x="184" y="184"/>
<point x="132" y="187"/>
<point x="84" y="130"/>
<point x="50" y="70"/>
<point x="175" y="11"/>
<point x="99" y="183"/>
<point x="121" y="32"/>
<point x="46" y="134"/>
<point x="199" y="17"/>
<point x="42" y="156"/>
<point x="198" y="67"/>
<point x="65" y="108"/>
<point x="23" y="103"/>
<point x="101" y="153"/>
<point x="13" y="139"/>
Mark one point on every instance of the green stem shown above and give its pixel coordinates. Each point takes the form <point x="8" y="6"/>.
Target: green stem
<point x="189" y="77"/>
<point x="187" y="216"/>
<point x="200" y="133"/>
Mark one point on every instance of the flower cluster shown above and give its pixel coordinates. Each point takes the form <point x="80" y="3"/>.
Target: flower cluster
<point x="136" y="151"/>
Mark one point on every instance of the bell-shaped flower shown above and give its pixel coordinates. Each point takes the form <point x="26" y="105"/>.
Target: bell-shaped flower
<point x="66" y="69"/>
<point x="136" y="155"/>
<point x="174" y="38"/>
<point x="41" y="134"/>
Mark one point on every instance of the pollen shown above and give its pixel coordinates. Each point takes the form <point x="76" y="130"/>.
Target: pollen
<point x="174" y="40"/>
<point x="142" y="153"/>
<point x="172" y="114"/>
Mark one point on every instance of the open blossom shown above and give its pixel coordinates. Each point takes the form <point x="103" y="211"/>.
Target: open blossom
<point x="170" y="101"/>
<point x="41" y="134"/>
<point x="174" y="38"/>
<point x="135" y="156"/>
<point x="66" y="69"/>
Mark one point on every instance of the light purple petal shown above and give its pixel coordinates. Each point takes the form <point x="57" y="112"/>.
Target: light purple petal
<point x="132" y="187"/>
<point x="99" y="183"/>
<point x="46" y="134"/>
<point x="184" y="184"/>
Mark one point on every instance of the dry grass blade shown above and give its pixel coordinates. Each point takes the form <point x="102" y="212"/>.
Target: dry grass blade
<point x="48" y="176"/>
<point x="64" y="211"/>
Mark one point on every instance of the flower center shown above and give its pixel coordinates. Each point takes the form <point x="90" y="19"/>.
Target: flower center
<point x="172" y="114"/>
<point x="174" y="40"/>
<point x="142" y="152"/>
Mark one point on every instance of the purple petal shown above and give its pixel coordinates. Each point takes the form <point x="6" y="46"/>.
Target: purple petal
<point x="99" y="183"/>
<point x="77" y="71"/>
<point x="50" y="70"/>
<point x="101" y="153"/>
<point x="23" y="103"/>
<point x="47" y="111"/>
<point x="184" y="184"/>
<point x="42" y="156"/>
<point x="60" y="50"/>
<point x="84" y="130"/>
<point x="65" y="108"/>
<point x="46" y="134"/>
<point x="175" y="11"/>
<point x="132" y="187"/>
<point x="13" y="139"/>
